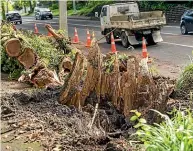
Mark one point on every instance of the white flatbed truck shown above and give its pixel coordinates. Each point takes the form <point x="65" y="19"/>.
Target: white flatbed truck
<point x="130" y="25"/>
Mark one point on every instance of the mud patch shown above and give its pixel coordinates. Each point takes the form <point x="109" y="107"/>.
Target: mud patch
<point x="38" y="117"/>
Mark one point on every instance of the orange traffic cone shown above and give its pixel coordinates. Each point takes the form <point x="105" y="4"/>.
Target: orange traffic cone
<point x="144" y="49"/>
<point x="75" y="39"/>
<point x="35" y="29"/>
<point x="88" y="43"/>
<point x="113" y="47"/>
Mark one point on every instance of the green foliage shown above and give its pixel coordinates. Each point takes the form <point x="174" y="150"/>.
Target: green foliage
<point x="86" y="7"/>
<point x="45" y="49"/>
<point x="54" y="6"/>
<point x="138" y="120"/>
<point x="17" y="5"/>
<point x="3" y="10"/>
<point x="10" y="65"/>
<point x="109" y="63"/>
<point x="20" y="4"/>
<point x="185" y="81"/>
<point x="162" y="5"/>
<point x="173" y="134"/>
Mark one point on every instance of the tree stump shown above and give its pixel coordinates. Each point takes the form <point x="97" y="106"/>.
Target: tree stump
<point x="128" y="85"/>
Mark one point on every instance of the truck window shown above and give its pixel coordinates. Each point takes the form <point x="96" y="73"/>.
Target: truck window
<point x="104" y="11"/>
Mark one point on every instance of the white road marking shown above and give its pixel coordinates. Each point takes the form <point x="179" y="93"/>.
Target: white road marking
<point x="170" y="34"/>
<point x="175" y="34"/>
<point x="172" y="26"/>
<point x="177" y="44"/>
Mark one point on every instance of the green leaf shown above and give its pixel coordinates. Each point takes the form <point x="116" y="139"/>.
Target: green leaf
<point x="133" y="118"/>
<point x="133" y="111"/>
<point x="142" y="120"/>
<point x="136" y="113"/>
<point x="138" y="125"/>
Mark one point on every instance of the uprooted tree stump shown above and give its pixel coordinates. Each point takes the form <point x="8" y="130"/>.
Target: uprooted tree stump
<point x="127" y="83"/>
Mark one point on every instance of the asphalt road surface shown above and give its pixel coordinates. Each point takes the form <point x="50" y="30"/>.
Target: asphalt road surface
<point x="173" y="52"/>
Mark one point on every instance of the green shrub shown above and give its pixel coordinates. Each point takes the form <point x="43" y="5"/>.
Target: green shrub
<point x="54" y="6"/>
<point x="10" y="65"/>
<point x="184" y="85"/>
<point x="186" y="78"/>
<point x="173" y="134"/>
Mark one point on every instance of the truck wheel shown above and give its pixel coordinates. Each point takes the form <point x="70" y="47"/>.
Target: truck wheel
<point x="108" y="38"/>
<point x="124" y="40"/>
<point x="150" y="40"/>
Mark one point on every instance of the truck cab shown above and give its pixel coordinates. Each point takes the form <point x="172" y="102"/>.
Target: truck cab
<point x="130" y="25"/>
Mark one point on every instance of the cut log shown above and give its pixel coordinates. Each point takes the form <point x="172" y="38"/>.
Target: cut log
<point x="28" y="58"/>
<point x="13" y="47"/>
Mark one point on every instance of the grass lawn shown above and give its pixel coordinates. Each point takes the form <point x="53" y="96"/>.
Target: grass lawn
<point x="26" y="14"/>
<point x="83" y="11"/>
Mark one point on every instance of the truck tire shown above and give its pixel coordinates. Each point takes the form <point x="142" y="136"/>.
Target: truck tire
<point x="108" y="38"/>
<point x="150" y="40"/>
<point x="124" y="40"/>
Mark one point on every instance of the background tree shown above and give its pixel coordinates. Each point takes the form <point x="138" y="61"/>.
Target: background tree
<point x="3" y="10"/>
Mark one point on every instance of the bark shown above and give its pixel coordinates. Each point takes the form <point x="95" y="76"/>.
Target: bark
<point x="30" y="5"/>
<point x="28" y="58"/>
<point x="25" y="10"/>
<point x="129" y="88"/>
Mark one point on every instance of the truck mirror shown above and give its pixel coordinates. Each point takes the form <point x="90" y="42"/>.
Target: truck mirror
<point x="96" y="14"/>
<point x="101" y="14"/>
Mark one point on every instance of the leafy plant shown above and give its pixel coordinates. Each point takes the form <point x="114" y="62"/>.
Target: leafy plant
<point x="185" y="81"/>
<point x="173" y="134"/>
<point x="141" y="122"/>
<point x="10" y="65"/>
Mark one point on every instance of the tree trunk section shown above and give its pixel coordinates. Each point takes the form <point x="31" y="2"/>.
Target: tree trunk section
<point x="13" y="47"/>
<point x="28" y="58"/>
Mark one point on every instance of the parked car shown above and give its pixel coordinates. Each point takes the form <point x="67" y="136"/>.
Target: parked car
<point x="14" y="17"/>
<point x="186" y="24"/>
<point x="43" y="13"/>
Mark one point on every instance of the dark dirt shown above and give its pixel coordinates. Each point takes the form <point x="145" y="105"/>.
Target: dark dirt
<point x="33" y="120"/>
<point x="36" y="116"/>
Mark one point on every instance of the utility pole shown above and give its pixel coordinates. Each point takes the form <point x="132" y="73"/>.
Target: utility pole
<point x="63" y="15"/>
<point x="74" y="6"/>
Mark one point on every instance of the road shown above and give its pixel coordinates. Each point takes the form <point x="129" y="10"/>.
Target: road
<point x="173" y="52"/>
